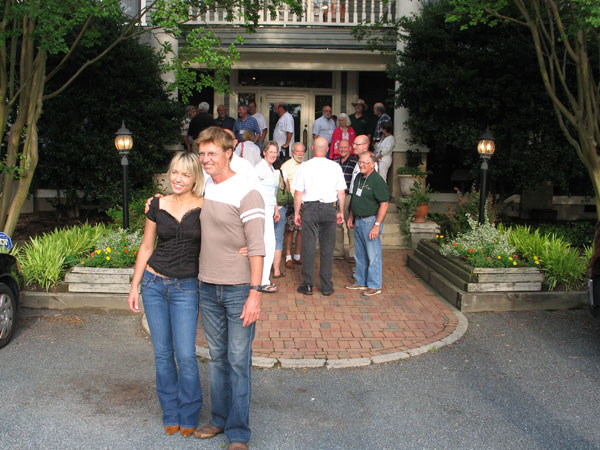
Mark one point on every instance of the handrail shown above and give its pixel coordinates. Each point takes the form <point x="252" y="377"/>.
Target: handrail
<point x="334" y="13"/>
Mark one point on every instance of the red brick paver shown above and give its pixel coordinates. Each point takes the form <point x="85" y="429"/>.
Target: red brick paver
<point x="404" y="316"/>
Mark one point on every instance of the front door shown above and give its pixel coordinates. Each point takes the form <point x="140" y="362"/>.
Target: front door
<point x="298" y="106"/>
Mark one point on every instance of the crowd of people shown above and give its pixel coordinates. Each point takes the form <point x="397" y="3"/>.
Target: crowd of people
<point x="216" y="242"/>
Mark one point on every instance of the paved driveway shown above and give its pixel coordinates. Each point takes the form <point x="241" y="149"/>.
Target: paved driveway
<point x="75" y="380"/>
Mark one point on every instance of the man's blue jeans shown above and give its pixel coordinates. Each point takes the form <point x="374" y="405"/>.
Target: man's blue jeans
<point x="369" y="264"/>
<point x="230" y="346"/>
<point x="171" y="306"/>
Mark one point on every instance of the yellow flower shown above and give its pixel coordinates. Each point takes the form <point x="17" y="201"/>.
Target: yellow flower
<point x="98" y="251"/>
<point x="510" y="258"/>
<point x="82" y="262"/>
<point x="535" y="257"/>
<point x="441" y="236"/>
<point x="536" y="261"/>
<point x="108" y="258"/>
<point x="107" y="249"/>
<point x="499" y="257"/>
<point x="514" y="263"/>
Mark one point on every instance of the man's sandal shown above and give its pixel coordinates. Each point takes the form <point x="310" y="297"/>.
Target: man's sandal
<point x="207" y="431"/>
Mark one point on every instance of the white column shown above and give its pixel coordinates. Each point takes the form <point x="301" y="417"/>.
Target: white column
<point x="158" y="40"/>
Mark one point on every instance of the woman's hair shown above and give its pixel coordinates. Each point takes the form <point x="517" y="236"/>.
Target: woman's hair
<point x="343" y="116"/>
<point x="388" y="126"/>
<point x="248" y="136"/>
<point x="270" y="144"/>
<point x="189" y="162"/>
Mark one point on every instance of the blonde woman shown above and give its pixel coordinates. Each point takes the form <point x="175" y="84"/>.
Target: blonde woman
<point x="168" y="275"/>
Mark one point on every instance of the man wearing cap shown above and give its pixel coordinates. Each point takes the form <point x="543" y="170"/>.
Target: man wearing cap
<point x="360" y="121"/>
<point x="320" y="189"/>
<point x="324" y="125"/>
<point x="201" y="121"/>
<point x="368" y="207"/>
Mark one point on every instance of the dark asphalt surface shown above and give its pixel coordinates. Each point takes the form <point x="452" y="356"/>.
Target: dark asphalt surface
<point x="526" y="380"/>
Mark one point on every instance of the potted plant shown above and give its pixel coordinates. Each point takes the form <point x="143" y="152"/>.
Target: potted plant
<point x="408" y="175"/>
<point x="419" y="201"/>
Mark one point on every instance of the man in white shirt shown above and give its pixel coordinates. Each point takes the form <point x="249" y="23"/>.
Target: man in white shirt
<point x="283" y="133"/>
<point x="262" y="124"/>
<point x="320" y="189"/>
<point x="289" y="169"/>
<point x="324" y="125"/>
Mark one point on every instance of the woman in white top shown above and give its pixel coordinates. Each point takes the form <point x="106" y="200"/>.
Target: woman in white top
<point x="384" y="148"/>
<point x="247" y="149"/>
<point x="268" y="182"/>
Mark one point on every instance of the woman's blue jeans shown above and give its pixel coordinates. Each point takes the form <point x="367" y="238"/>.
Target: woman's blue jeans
<point x="230" y="346"/>
<point x="171" y="306"/>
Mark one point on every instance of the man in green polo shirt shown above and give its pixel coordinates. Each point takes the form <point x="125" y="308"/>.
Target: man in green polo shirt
<point x="368" y="207"/>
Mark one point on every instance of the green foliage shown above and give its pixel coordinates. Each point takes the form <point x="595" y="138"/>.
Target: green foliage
<point x="44" y="259"/>
<point x="81" y="157"/>
<point x="137" y="205"/>
<point x="408" y="205"/>
<point x="578" y="234"/>
<point x="455" y="220"/>
<point x="116" y="249"/>
<point x="483" y="76"/>
<point x="564" y="266"/>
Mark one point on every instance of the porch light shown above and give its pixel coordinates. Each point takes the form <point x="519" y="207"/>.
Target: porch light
<point x="124" y="143"/>
<point x="485" y="147"/>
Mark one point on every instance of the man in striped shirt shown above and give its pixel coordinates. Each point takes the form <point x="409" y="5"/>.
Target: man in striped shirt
<point x="233" y="216"/>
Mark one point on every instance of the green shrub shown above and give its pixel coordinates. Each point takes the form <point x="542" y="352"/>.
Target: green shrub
<point x="137" y="204"/>
<point x="563" y="265"/>
<point x="44" y="259"/>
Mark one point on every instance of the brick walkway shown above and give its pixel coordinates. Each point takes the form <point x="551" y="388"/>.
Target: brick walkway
<point x="346" y="325"/>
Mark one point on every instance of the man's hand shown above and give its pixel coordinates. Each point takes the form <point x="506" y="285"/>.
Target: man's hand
<point x="340" y="217"/>
<point x="374" y="232"/>
<point x="147" y="207"/>
<point x="276" y="216"/>
<point x="251" y="310"/>
<point x="350" y="222"/>
<point x="297" y="219"/>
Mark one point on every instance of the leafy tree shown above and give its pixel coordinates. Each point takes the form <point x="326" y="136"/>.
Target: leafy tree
<point x="31" y="31"/>
<point x="455" y="82"/>
<point x="77" y="128"/>
<point x="565" y="37"/>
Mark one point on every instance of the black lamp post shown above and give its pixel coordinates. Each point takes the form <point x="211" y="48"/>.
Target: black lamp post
<point x="485" y="147"/>
<point x="123" y="143"/>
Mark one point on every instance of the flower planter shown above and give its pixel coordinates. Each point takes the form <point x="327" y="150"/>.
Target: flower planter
<point x="475" y="279"/>
<point x="406" y="182"/>
<point x="99" y="280"/>
<point x="421" y="213"/>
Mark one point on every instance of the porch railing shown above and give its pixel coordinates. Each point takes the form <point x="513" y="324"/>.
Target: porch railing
<point x="344" y="13"/>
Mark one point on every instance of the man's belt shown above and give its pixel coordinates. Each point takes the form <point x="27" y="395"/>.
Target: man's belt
<point x="334" y="204"/>
<point x="364" y="217"/>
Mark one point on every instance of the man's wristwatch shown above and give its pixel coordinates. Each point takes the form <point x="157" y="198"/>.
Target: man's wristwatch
<point x="257" y="288"/>
<point x="377" y="223"/>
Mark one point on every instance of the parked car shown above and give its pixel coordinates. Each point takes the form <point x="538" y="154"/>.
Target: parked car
<point x="11" y="284"/>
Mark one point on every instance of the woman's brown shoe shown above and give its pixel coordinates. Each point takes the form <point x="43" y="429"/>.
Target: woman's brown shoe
<point x="207" y="431"/>
<point x="185" y="432"/>
<point x="171" y="429"/>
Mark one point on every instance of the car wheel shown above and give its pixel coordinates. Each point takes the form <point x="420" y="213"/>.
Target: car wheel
<point x="8" y="314"/>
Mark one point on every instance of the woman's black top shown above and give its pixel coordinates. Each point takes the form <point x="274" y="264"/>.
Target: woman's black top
<point x="178" y="248"/>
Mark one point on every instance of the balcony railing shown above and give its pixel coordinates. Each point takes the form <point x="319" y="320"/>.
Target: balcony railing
<point x="344" y="13"/>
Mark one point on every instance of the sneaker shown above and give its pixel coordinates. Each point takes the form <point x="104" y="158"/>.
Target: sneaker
<point x="355" y="287"/>
<point x="305" y="289"/>
<point x="370" y="292"/>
